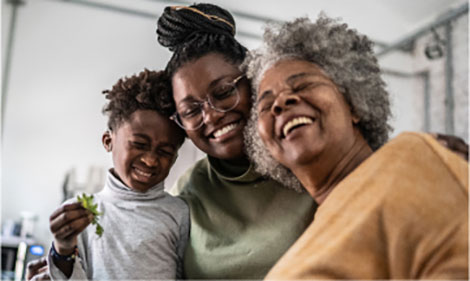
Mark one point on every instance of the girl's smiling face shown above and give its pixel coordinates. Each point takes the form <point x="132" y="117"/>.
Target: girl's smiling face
<point x="221" y="133"/>
<point x="143" y="149"/>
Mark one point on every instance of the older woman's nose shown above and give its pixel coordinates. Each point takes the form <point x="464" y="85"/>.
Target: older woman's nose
<point x="283" y="102"/>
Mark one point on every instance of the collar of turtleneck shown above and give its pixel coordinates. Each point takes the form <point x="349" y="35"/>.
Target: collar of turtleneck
<point x="233" y="172"/>
<point x="114" y="190"/>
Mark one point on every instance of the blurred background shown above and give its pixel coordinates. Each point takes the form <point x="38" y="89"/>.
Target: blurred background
<point x="58" y="55"/>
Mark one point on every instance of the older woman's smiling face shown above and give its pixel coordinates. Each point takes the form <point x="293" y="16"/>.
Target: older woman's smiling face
<point x="303" y="117"/>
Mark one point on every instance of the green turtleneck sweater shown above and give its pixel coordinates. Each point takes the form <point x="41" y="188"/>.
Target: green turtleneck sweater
<point x="240" y="224"/>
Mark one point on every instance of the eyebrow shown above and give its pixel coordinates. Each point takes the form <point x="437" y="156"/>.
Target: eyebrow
<point x="170" y="145"/>
<point x="149" y="140"/>
<point x="187" y="99"/>
<point x="212" y="84"/>
<point x="141" y="136"/>
<point x="293" y="77"/>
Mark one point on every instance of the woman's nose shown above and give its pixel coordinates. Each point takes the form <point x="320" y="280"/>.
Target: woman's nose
<point x="284" y="101"/>
<point x="210" y="115"/>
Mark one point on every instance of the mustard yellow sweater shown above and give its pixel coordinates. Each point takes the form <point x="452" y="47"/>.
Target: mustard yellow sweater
<point x="402" y="214"/>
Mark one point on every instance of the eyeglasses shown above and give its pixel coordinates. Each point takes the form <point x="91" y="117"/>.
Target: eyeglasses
<point x="223" y="98"/>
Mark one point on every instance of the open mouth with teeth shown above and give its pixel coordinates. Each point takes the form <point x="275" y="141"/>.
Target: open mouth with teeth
<point x="296" y="123"/>
<point x="142" y="174"/>
<point x="224" y="130"/>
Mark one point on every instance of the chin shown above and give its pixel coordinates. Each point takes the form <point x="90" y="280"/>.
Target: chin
<point x="140" y="187"/>
<point x="231" y="149"/>
<point x="227" y="155"/>
<point x="293" y="158"/>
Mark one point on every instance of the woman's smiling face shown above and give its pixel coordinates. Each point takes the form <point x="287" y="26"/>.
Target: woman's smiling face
<point x="221" y="133"/>
<point x="303" y="117"/>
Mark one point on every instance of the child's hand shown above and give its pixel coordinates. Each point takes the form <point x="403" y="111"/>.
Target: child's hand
<point x="37" y="270"/>
<point x="66" y="223"/>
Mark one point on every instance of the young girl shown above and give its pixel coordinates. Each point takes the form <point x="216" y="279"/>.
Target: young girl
<point x="145" y="229"/>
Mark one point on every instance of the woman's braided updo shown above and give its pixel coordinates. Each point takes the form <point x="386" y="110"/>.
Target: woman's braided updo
<point x="194" y="31"/>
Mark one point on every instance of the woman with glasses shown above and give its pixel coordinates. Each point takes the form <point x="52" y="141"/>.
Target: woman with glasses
<point x="241" y="222"/>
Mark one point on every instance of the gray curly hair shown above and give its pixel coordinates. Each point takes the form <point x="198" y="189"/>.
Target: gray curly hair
<point x="345" y="56"/>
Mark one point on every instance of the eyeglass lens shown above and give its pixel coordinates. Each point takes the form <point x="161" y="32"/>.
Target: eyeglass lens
<point x="222" y="99"/>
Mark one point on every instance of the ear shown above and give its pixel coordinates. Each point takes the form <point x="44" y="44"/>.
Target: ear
<point x="107" y="141"/>
<point x="355" y="119"/>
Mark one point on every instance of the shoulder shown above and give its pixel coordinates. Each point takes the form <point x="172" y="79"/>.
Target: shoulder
<point x="173" y="206"/>
<point x="411" y="174"/>
<point x="175" y="201"/>
<point x="178" y="210"/>
<point x="194" y="174"/>
<point x="421" y="153"/>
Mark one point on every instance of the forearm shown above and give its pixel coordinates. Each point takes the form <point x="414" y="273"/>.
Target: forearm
<point x="59" y="270"/>
<point x="65" y="266"/>
<point x="64" y="259"/>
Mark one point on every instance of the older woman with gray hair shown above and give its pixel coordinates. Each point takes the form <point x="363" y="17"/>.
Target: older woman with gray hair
<point x="319" y="122"/>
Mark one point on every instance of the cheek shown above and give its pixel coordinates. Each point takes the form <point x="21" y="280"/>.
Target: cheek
<point x="265" y="130"/>
<point x="339" y="105"/>
<point x="245" y="102"/>
<point x="267" y="134"/>
<point x="343" y="117"/>
<point x="117" y="159"/>
<point x="124" y="157"/>
<point x="195" y="136"/>
<point x="166" y="165"/>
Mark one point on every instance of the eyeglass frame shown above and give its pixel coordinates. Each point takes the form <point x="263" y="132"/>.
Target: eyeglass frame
<point x="201" y="103"/>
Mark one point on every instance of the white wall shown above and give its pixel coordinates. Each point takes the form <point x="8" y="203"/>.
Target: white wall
<point x="65" y="54"/>
<point x="407" y="94"/>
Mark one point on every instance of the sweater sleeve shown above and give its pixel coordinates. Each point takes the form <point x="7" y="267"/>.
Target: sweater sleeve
<point x="80" y="266"/>
<point x="78" y="272"/>
<point x="183" y="241"/>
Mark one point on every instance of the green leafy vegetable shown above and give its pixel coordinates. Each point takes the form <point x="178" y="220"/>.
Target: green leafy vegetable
<point x="87" y="203"/>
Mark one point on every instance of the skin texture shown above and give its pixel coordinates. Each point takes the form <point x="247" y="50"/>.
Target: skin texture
<point x="148" y="142"/>
<point x="322" y="152"/>
<point x="194" y="81"/>
<point x="143" y="149"/>
<point x="37" y="270"/>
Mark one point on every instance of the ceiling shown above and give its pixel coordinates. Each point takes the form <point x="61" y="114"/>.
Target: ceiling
<point x="384" y="21"/>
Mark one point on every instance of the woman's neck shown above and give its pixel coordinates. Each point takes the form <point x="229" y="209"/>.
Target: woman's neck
<point x="242" y="161"/>
<point x="319" y="186"/>
<point x="233" y="167"/>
